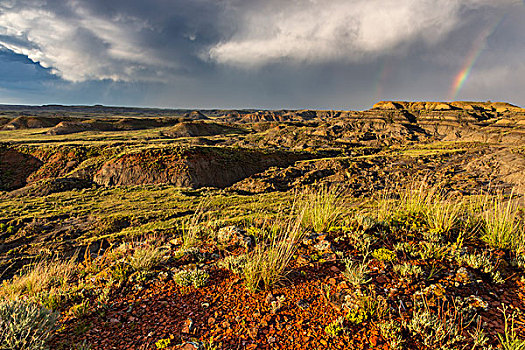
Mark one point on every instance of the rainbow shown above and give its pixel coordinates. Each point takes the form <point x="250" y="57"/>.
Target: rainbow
<point x="470" y="61"/>
<point x="384" y="73"/>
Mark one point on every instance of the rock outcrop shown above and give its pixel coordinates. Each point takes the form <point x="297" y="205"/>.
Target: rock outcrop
<point x="120" y="124"/>
<point x="15" y="168"/>
<point x="201" y="128"/>
<point x="190" y="167"/>
<point x="29" y="122"/>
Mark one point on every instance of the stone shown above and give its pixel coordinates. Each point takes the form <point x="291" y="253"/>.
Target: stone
<point x="303" y="304"/>
<point x="187" y="326"/>
<point x="374" y="340"/>
<point x="269" y="298"/>
<point x="323" y="246"/>
<point x="302" y="260"/>
<point x="233" y="236"/>
<point x="190" y="346"/>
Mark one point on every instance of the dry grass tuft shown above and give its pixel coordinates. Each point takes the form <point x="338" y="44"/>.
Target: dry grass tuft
<point x="266" y="265"/>
<point x="42" y="277"/>
<point x="322" y="208"/>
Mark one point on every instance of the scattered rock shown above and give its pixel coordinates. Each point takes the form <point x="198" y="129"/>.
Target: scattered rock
<point x="232" y="236"/>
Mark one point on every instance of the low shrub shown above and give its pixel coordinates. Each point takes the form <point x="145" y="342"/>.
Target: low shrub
<point x="197" y="278"/>
<point x="25" y="325"/>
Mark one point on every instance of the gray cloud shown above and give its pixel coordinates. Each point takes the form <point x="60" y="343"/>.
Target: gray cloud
<point x="85" y="40"/>
<point x="127" y="40"/>
<point x="272" y="53"/>
<point x="340" y="30"/>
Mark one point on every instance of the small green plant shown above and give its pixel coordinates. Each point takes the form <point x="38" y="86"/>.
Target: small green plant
<point x="519" y="261"/>
<point x="482" y="262"/>
<point x="510" y="340"/>
<point x="234" y="263"/>
<point x="356" y="273"/>
<point x="361" y="240"/>
<point x="443" y="328"/>
<point x="119" y="272"/>
<point x="80" y="310"/>
<point x="408" y="270"/>
<point x="496" y="277"/>
<point x="7" y="229"/>
<point x="277" y="304"/>
<point x="391" y="331"/>
<point x="197" y="278"/>
<point x="163" y="343"/>
<point x="410" y="250"/>
<point x="335" y="328"/>
<point x="83" y="346"/>
<point x="25" y="325"/>
<point x="356" y="316"/>
<point x="383" y="254"/>
<point x="373" y="305"/>
<point x="433" y="250"/>
<point x="479" y="337"/>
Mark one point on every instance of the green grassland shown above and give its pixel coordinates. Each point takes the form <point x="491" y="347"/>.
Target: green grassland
<point x="65" y="256"/>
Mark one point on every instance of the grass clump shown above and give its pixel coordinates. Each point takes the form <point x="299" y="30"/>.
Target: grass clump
<point x="40" y="280"/>
<point x="422" y="208"/>
<point x="266" y="264"/>
<point x="322" y="208"/>
<point x="146" y="258"/>
<point x="442" y="217"/>
<point x="501" y="224"/>
<point x="25" y="325"/>
<point x="193" y="226"/>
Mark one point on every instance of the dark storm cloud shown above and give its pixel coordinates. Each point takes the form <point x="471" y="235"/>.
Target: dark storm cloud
<point x="273" y="53"/>
<point x="119" y="40"/>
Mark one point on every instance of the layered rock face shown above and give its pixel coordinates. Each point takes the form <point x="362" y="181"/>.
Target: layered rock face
<point x="15" y="168"/>
<point x="193" y="167"/>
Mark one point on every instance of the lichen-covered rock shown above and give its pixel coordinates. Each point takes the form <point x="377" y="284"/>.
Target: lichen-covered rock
<point x="233" y="236"/>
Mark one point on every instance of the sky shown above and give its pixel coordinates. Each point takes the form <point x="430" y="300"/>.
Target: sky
<point x="267" y="54"/>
